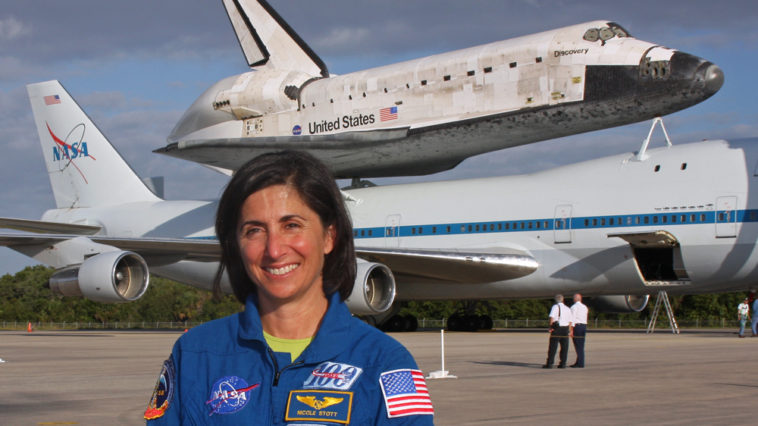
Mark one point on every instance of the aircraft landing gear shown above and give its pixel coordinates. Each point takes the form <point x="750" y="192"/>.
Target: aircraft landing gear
<point x="468" y="320"/>
<point x="460" y="322"/>
<point x="400" y="323"/>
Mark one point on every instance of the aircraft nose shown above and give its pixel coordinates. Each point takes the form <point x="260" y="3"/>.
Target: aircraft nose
<point x="703" y="77"/>
<point x="713" y="77"/>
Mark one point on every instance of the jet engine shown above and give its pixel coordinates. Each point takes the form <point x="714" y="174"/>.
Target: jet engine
<point x="117" y="276"/>
<point x="620" y="303"/>
<point x="374" y="289"/>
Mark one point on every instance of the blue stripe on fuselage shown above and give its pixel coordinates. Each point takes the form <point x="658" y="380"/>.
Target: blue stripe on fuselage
<point x="696" y="217"/>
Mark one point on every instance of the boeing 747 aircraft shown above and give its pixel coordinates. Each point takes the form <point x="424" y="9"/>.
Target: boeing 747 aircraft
<point x="683" y="218"/>
<point x="427" y="115"/>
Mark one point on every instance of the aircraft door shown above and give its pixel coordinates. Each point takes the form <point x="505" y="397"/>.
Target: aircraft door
<point x="392" y="231"/>
<point x="726" y="217"/>
<point x="562" y="223"/>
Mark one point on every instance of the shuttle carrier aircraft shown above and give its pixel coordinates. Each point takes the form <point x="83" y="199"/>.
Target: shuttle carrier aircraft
<point x="682" y="218"/>
<point x="428" y="115"/>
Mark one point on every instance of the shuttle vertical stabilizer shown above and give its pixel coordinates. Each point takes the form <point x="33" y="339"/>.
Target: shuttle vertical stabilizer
<point x="266" y="39"/>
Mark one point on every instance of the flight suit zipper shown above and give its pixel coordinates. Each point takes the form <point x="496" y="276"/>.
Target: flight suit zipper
<point x="276" y="365"/>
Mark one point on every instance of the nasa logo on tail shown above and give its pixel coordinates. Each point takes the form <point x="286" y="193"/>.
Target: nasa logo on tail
<point x="69" y="149"/>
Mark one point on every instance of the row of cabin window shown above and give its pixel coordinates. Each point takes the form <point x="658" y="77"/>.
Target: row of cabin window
<point x="657" y="167"/>
<point x="559" y="224"/>
<point x="446" y="77"/>
<point x="637" y="220"/>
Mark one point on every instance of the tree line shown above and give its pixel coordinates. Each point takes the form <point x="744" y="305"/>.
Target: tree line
<point x="25" y="297"/>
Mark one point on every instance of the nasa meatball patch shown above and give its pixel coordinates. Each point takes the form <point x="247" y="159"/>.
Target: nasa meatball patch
<point x="163" y="392"/>
<point x="229" y="394"/>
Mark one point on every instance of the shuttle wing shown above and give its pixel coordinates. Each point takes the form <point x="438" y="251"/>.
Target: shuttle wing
<point x="456" y="266"/>
<point x="338" y="151"/>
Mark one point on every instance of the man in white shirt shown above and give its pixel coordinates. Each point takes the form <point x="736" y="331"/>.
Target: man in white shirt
<point x="743" y="314"/>
<point x="579" y="313"/>
<point x="560" y="327"/>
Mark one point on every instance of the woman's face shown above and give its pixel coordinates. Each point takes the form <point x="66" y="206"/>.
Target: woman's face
<point x="282" y="244"/>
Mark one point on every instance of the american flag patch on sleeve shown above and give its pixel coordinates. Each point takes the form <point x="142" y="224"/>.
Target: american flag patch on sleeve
<point x="405" y="393"/>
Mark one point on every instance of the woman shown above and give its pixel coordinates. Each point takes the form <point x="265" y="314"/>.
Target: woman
<point x="295" y="354"/>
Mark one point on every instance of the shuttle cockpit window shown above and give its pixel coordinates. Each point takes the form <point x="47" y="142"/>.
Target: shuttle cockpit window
<point x="605" y="33"/>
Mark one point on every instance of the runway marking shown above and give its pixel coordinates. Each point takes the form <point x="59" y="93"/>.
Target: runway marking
<point x="58" y="423"/>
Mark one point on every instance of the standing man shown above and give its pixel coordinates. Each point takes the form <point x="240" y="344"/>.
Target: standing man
<point x="743" y="314"/>
<point x="754" y="322"/>
<point x="560" y="326"/>
<point x="579" y="313"/>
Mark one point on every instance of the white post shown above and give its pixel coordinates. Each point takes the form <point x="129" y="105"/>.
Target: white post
<point x="442" y="345"/>
<point x="441" y="374"/>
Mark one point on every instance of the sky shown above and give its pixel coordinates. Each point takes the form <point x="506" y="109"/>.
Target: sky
<point x="136" y="66"/>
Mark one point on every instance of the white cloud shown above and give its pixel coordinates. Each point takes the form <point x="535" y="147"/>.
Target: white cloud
<point x="11" y="28"/>
<point x="341" y="38"/>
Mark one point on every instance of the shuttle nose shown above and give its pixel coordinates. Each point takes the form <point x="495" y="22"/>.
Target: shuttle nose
<point x="703" y="77"/>
<point x="713" y="77"/>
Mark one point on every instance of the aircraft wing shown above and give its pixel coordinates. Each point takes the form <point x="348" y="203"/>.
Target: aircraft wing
<point x="456" y="266"/>
<point x="154" y="250"/>
<point x="47" y="227"/>
<point x="338" y="151"/>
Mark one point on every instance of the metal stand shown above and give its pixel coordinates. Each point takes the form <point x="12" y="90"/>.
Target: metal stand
<point x="441" y="374"/>
<point x="663" y="298"/>
<point x="642" y="155"/>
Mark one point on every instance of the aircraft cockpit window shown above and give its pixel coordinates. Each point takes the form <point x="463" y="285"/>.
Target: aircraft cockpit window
<point x="618" y="30"/>
<point x="605" y="33"/>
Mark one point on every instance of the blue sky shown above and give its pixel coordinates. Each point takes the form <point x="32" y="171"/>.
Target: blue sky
<point x="136" y="66"/>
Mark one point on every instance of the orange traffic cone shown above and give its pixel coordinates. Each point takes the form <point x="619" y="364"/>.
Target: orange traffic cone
<point x="29" y="327"/>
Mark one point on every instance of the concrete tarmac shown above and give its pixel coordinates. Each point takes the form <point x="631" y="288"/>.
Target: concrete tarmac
<point x="705" y="377"/>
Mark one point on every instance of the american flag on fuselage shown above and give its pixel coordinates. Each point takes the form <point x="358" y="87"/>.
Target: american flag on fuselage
<point x="405" y="393"/>
<point x="387" y="114"/>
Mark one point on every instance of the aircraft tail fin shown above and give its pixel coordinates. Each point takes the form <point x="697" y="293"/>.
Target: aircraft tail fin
<point x="85" y="170"/>
<point x="266" y="38"/>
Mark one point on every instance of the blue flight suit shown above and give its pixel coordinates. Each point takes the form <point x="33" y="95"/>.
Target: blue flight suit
<point x="223" y="372"/>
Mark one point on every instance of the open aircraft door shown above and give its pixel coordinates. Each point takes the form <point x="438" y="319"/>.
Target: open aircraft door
<point x="562" y="223"/>
<point x="726" y="217"/>
<point x="658" y="257"/>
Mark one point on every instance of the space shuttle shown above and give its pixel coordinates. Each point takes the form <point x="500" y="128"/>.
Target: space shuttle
<point x="427" y="115"/>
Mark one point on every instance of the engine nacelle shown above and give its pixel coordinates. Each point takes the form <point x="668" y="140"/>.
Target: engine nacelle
<point x="116" y="276"/>
<point x="620" y="303"/>
<point x="374" y="289"/>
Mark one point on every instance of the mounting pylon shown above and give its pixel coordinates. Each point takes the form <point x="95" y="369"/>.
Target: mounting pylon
<point x="663" y="298"/>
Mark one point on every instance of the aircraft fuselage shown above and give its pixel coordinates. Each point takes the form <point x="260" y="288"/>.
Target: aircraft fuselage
<point x="684" y="219"/>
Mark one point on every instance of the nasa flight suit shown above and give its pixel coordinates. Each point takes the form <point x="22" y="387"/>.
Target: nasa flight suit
<point x="223" y="372"/>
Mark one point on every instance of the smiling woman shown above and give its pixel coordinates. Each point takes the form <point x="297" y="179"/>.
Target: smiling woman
<point x="295" y="353"/>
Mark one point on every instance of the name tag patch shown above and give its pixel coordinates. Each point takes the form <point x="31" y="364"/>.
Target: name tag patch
<point x="320" y="405"/>
<point x="333" y="375"/>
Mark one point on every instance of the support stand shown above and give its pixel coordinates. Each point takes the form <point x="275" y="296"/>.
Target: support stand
<point x="641" y="154"/>
<point x="441" y="374"/>
<point x="663" y="298"/>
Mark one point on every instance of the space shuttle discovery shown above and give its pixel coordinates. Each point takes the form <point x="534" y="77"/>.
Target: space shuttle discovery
<point x="427" y="115"/>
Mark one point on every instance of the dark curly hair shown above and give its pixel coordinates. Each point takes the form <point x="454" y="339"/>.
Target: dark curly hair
<point x="316" y="186"/>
